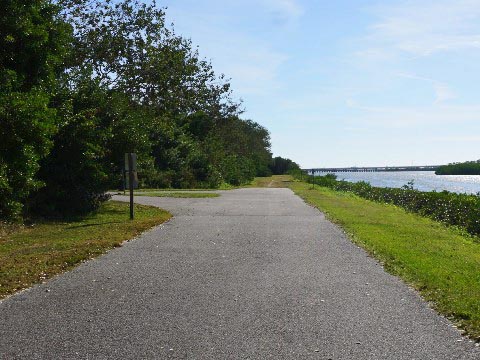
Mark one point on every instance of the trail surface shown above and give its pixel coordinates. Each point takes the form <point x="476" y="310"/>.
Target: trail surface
<point x="255" y="273"/>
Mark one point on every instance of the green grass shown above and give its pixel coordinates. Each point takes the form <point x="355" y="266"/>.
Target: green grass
<point x="276" y="181"/>
<point x="187" y="194"/>
<point x="170" y="190"/>
<point x="227" y="186"/>
<point x="223" y="186"/>
<point x="440" y="262"/>
<point x="31" y="254"/>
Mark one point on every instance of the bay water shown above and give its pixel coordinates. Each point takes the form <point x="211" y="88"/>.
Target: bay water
<point x="422" y="180"/>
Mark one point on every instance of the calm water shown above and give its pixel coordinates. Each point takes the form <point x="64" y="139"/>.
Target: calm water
<point x="423" y="180"/>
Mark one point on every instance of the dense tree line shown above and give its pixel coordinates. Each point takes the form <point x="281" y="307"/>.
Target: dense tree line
<point x="280" y="166"/>
<point x="465" y="168"/>
<point x="83" y="82"/>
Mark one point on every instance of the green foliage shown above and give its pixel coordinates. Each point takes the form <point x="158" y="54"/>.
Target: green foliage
<point x="26" y="127"/>
<point x="33" y="41"/>
<point x="281" y="166"/>
<point x="186" y="124"/>
<point x="466" y="168"/>
<point x="462" y="210"/>
<point x="131" y="50"/>
<point x="239" y="149"/>
<point x="237" y="170"/>
<point x="73" y="172"/>
<point x="85" y="83"/>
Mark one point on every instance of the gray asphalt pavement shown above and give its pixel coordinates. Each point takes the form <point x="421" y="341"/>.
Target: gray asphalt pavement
<point x="253" y="274"/>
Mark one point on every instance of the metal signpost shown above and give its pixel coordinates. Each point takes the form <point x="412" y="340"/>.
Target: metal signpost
<point x="131" y="167"/>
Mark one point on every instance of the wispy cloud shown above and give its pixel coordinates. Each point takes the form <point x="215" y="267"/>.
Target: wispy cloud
<point x="425" y="27"/>
<point x="251" y="62"/>
<point x="442" y="91"/>
<point x="435" y="116"/>
<point x="460" y="139"/>
<point x="253" y="67"/>
<point x="284" y="12"/>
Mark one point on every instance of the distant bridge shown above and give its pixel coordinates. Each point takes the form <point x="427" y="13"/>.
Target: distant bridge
<point x="373" y="169"/>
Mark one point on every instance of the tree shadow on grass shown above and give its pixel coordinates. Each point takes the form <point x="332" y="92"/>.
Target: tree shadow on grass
<point x="93" y="224"/>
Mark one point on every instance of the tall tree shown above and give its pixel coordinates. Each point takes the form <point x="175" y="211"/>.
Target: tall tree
<point x="34" y="40"/>
<point x="131" y="49"/>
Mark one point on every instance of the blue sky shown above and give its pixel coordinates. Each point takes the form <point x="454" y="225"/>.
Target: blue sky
<point x="348" y="83"/>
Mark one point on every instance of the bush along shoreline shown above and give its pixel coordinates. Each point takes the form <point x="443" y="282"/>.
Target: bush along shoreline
<point x="465" y="168"/>
<point x="460" y="210"/>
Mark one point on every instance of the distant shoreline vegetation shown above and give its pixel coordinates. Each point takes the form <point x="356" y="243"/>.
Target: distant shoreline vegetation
<point x="465" y="168"/>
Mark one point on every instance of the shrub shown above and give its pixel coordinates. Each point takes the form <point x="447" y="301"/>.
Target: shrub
<point x="74" y="176"/>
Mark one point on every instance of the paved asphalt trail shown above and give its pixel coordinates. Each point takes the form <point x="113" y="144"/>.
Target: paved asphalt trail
<point x="255" y="273"/>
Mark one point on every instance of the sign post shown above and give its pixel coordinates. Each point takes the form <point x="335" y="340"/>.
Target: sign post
<point x="131" y="167"/>
<point x="124" y="180"/>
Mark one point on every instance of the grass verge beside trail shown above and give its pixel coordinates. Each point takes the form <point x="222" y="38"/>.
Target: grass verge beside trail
<point x="440" y="262"/>
<point x="187" y="194"/>
<point x="32" y="254"/>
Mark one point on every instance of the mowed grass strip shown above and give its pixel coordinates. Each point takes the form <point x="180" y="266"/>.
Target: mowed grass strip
<point x="32" y="254"/>
<point x="187" y="194"/>
<point x="440" y="262"/>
